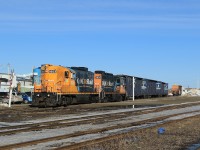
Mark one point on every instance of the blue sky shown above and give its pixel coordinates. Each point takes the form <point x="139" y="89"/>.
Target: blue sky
<point x="156" y="39"/>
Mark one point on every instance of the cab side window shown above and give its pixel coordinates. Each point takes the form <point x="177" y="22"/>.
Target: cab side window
<point x="66" y="74"/>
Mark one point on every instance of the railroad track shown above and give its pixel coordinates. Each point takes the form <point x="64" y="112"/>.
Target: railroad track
<point x="82" y="120"/>
<point x="88" y="142"/>
<point x="93" y="120"/>
<point x="103" y="140"/>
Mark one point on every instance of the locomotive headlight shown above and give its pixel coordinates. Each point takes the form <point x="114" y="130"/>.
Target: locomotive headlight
<point x="48" y="95"/>
<point x="38" y="95"/>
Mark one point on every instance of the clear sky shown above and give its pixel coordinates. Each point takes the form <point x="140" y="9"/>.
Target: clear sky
<point x="156" y="39"/>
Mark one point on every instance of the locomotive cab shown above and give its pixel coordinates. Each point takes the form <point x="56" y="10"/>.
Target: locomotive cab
<point x="54" y="81"/>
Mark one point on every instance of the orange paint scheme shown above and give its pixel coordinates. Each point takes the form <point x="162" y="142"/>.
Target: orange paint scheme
<point x="176" y="89"/>
<point x="57" y="79"/>
<point x="121" y="89"/>
<point x="37" y="88"/>
<point x="97" y="82"/>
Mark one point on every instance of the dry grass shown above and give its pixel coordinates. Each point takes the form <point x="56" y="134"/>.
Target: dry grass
<point x="178" y="135"/>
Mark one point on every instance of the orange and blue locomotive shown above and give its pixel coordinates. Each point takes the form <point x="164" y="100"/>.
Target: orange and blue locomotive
<point x="68" y="85"/>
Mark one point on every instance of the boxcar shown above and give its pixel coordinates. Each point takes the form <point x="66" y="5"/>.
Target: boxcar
<point x="143" y="88"/>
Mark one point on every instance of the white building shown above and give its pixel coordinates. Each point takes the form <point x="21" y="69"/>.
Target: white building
<point x="5" y="82"/>
<point x="26" y="83"/>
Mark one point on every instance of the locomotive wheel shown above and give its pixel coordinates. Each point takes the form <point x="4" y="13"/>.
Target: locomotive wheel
<point x="120" y="98"/>
<point x="105" y="100"/>
<point x="64" y="101"/>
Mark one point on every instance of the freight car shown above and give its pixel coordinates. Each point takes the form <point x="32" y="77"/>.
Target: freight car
<point x="68" y="85"/>
<point x="143" y="88"/>
<point x="176" y="90"/>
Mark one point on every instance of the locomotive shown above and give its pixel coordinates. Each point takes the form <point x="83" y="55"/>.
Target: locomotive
<point x="68" y="85"/>
<point x="62" y="86"/>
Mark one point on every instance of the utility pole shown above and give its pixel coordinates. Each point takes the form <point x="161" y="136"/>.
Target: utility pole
<point x="11" y="88"/>
<point x="13" y="84"/>
<point x="133" y="88"/>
